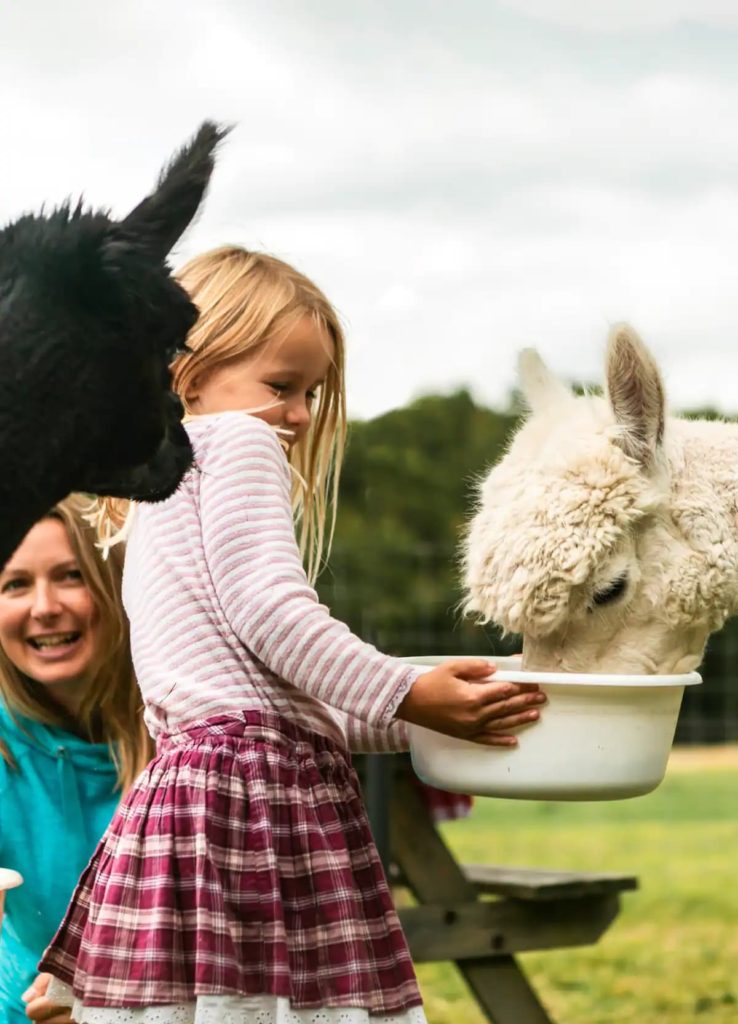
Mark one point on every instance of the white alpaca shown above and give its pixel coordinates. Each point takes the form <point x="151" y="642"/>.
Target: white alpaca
<point x="608" y="534"/>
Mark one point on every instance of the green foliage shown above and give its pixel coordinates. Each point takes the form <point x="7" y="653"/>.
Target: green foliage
<point x="406" y="492"/>
<point x="707" y="413"/>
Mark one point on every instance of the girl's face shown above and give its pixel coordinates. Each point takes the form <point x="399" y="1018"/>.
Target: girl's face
<point x="283" y="375"/>
<point x="49" y="623"/>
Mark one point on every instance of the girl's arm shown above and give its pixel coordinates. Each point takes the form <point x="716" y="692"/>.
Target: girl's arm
<point x="362" y="738"/>
<point x="256" y="571"/>
<point x="258" y="576"/>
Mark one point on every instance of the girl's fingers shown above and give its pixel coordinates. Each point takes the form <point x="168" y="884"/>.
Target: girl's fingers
<point x="471" y="668"/>
<point x="491" y="739"/>
<point x="486" y="694"/>
<point x="497" y="725"/>
<point x="504" y="709"/>
<point x="494" y="734"/>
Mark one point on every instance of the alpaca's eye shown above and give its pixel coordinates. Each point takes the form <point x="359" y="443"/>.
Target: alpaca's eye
<point x="611" y="592"/>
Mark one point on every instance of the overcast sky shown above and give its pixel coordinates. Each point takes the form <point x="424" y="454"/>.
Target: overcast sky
<point x="463" y="177"/>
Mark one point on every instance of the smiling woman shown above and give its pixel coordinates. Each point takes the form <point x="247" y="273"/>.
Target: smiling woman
<point x="49" y="623"/>
<point x="71" y="733"/>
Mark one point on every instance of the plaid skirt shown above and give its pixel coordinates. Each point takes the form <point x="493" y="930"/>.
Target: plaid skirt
<point x="240" y="863"/>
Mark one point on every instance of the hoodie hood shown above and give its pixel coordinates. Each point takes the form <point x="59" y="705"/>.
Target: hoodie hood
<point x="26" y="736"/>
<point x="81" y="770"/>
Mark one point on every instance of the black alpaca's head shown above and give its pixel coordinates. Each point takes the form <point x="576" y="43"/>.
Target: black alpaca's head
<point x="90" y="319"/>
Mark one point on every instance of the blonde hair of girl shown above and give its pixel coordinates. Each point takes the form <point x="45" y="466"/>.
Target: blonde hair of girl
<point x="111" y="711"/>
<point x="245" y="299"/>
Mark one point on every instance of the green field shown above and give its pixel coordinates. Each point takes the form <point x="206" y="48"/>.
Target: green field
<point x="672" y="955"/>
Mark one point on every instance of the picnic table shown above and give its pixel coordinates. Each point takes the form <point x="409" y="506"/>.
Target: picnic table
<point x="455" y="920"/>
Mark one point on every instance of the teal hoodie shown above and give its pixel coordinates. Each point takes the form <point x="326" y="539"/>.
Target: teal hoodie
<point x="53" y="810"/>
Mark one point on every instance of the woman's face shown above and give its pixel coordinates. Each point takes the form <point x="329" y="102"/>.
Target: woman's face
<point x="49" y="624"/>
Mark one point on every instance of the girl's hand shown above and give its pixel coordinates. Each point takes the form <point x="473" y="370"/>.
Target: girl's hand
<point x="39" y="1008"/>
<point x="453" y="700"/>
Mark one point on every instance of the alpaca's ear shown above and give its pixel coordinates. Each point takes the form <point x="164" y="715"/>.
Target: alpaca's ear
<point x="159" y="220"/>
<point x="636" y="394"/>
<point x="540" y="387"/>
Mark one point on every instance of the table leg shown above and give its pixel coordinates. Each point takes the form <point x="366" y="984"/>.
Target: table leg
<point x="503" y="991"/>
<point x="433" y="876"/>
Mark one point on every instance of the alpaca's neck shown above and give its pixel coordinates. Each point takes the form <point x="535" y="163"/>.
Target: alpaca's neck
<point x="703" y="455"/>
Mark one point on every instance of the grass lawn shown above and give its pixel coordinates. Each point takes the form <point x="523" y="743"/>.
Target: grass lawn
<point x="671" y="957"/>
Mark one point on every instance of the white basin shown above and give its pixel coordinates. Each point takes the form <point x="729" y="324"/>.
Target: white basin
<point x="599" y="737"/>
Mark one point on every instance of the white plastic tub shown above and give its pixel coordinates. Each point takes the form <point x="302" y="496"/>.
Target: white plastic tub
<point x="600" y="737"/>
<point x="8" y="880"/>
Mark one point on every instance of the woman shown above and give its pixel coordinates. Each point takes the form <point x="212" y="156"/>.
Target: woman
<point x="71" y="734"/>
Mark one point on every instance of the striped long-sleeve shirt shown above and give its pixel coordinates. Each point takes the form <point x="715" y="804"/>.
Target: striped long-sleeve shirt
<point x="222" y="615"/>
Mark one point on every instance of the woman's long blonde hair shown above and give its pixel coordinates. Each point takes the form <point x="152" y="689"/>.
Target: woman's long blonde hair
<point x="111" y="710"/>
<point x="245" y="299"/>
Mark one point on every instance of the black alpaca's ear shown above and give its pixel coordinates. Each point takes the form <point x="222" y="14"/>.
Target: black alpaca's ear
<point x="159" y="220"/>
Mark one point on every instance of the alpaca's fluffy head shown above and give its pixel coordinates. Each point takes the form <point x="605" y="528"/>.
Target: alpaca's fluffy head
<point x="90" y="318"/>
<point x="588" y="542"/>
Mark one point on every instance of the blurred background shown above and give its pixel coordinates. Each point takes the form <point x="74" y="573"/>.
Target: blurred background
<point x="463" y="179"/>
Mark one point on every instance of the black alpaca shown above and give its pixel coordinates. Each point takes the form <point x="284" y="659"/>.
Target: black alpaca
<point x="90" y="319"/>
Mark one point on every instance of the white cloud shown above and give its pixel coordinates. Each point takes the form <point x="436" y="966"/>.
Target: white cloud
<point x="461" y="183"/>
<point x="627" y="15"/>
<point x="397" y="300"/>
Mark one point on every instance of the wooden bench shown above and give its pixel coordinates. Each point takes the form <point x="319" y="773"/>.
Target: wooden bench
<point x="479" y="916"/>
<point x="535" y="884"/>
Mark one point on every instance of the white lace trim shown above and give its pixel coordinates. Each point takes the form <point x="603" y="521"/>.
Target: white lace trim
<point x="226" y="1010"/>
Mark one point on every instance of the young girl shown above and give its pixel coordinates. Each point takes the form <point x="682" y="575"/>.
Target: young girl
<point x="71" y="732"/>
<point x="239" y="882"/>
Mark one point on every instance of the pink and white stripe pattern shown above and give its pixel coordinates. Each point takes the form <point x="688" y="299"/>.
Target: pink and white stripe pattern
<point x="222" y="616"/>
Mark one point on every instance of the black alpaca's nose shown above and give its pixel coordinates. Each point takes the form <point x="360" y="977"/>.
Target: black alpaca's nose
<point x="174" y="409"/>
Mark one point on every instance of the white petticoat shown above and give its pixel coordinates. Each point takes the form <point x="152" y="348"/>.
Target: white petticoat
<point x="225" y="1010"/>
